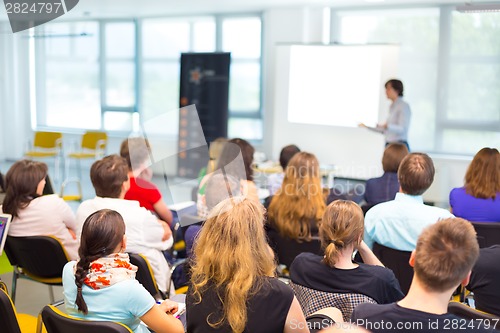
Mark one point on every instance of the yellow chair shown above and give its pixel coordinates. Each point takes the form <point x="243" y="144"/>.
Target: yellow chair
<point x="93" y="146"/>
<point x="11" y="321"/>
<point x="47" y="145"/>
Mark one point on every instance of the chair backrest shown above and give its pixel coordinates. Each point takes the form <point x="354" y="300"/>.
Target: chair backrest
<point x="145" y="275"/>
<point x="94" y="140"/>
<point x="40" y="257"/>
<point x="47" y="140"/>
<point x="312" y="300"/>
<point x="8" y="321"/>
<point x="56" y="321"/>
<point x="464" y="311"/>
<point x="488" y="233"/>
<point x="287" y="249"/>
<point x="398" y="262"/>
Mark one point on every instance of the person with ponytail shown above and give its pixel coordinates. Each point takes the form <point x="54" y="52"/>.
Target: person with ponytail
<point x="233" y="288"/>
<point x="341" y="233"/>
<point x="102" y="286"/>
<point x="35" y="214"/>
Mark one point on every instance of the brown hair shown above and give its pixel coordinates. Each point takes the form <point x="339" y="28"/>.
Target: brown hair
<point x="287" y="153"/>
<point x="108" y="175"/>
<point x="482" y="179"/>
<point x="299" y="204"/>
<point x="230" y="152"/>
<point x="231" y="254"/>
<point x="342" y="225"/>
<point x="393" y="155"/>
<point x="136" y="150"/>
<point x="416" y="173"/>
<point x="397" y="85"/>
<point x="102" y="232"/>
<point x="21" y="182"/>
<point x="446" y="252"/>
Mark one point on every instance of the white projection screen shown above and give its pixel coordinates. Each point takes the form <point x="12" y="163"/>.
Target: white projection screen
<point x="339" y="85"/>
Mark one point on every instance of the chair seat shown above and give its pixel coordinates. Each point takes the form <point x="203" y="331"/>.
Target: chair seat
<point x="72" y="197"/>
<point x="41" y="153"/>
<point x="52" y="281"/>
<point x="27" y="323"/>
<point x="82" y="155"/>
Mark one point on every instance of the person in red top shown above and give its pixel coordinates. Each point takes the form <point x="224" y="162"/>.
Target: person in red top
<point x="136" y="152"/>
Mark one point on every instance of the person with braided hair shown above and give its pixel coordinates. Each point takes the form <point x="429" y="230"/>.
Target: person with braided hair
<point x="102" y="286"/>
<point x="335" y="277"/>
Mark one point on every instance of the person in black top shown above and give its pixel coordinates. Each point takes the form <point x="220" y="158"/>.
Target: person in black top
<point x="233" y="288"/>
<point x="445" y="254"/>
<point x="341" y="232"/>
<point x="485" y="280"/>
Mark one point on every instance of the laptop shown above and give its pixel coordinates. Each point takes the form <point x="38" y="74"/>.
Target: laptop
<point x="4" y="229"/>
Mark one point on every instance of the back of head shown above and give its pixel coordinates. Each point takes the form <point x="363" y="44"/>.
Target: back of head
<point x="396" y="85"/>
<point x="232" y="149"/>
<point x="231" y="253"/>
<point x="482" y="179"/>
<point x="108" y="175"/>
<point x="21" y="182"/>
<point x="393" y="155"/>
<point x="299" y="202"/>
<point x="214" y="153"/>
<point x="286" y="155"/>
<point x="341" y="226"/>
<point x="446" y="252"/>
<point x="220" y="187"/>
<point x="135" y="151"/>
<point x="102" y="233"/>
<point x="416" y="173"/>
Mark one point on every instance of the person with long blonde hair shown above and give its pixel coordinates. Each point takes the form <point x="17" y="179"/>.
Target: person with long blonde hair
<point x="298" y="206"/>
<point x="341" y="233"/>
<point x="479" y="199"/>
<point x="233" y="288"/>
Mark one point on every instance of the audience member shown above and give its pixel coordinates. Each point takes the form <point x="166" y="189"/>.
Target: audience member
<point x="384" y="188"/>
<point x="232" y="284"/>
<point x="485" y="280"/>
<point x="136" y="151"/>
<point x="341" y="232"/>
<point x="275" y="180"/>
<point x="479" y="199"/>
<point x="445" y="254"/>
<point x="397" y="223"/>
<point x="102" y="284"/>
<point x="146" y="234"/>
<point x="214" y="152"/>
<point x="298" y="206"/>
<point x="35" y="214"/>
<point x="236" y="160"/>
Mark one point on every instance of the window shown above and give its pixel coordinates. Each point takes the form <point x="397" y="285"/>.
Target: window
<point x="450" y="64"/>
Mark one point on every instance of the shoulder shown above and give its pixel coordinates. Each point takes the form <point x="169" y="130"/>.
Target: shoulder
<point x="457" y="191"/>
<point x="274" y="287"/>
<point x="69" y="271"/>
<point x="305" y="260"/>
<point x="369" y="310"/>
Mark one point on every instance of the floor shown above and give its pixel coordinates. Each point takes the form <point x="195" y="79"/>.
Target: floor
<point x="31" y="296"/>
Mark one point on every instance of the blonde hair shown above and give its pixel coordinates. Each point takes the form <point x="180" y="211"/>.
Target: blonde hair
<point x="214" y="153"/>
<point x="299" y="203"/>
<point x="230" y="254"/>
<point x="342" y="225"/>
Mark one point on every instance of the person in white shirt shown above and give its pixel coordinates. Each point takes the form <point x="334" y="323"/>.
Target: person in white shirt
<point x="33" y="213"/>
<point x="145" y="232"/>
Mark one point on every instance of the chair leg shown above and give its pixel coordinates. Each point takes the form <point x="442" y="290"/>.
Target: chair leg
<point x="51" y="294"/>
<point x="14" y="286"/>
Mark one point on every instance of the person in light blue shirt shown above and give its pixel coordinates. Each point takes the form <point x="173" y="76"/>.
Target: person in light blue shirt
<point x="101" y="285"/>
<point x="398" y="223"/>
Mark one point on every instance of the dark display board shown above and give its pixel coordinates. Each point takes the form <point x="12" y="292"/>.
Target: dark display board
<point x="205" y="84"/>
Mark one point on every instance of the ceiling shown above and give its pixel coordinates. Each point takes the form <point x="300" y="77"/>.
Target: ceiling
<point x="135" y="8"/>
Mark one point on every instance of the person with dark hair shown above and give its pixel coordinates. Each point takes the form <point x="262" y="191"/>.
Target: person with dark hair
<point x="479" y="199"/>
<point x="395" y="129"/>
<point x="384" y="188"/>
<point x="136" y="151"/>
<point x="398" y="223"/>
<point x="33" y="213"/>
<point x="275" y="180"/>
<point x="145" y="232"/>
<point x="445" y="254"/>
<point x="101" y="286"/>
<point x="331" y="277"/>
